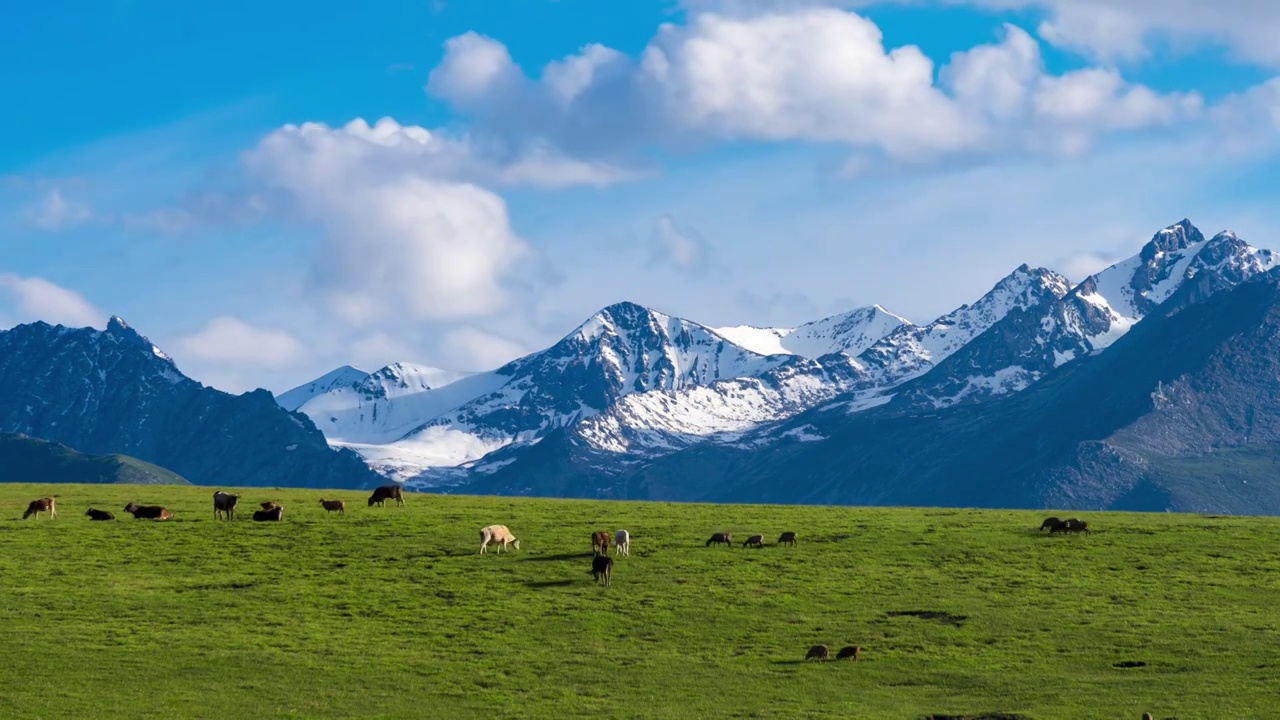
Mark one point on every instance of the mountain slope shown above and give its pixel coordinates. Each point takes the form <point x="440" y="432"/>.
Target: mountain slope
<point x="1197" y="388"/>
<point x="850" y="333"/>
<point x="31" y="460"/>
<point x="112" y="391"/>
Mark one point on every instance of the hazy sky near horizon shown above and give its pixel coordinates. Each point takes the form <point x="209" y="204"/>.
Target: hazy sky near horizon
<point x="268" y="191"/>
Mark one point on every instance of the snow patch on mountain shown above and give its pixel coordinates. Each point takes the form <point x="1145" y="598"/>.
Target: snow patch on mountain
<point x="850" y="333"/>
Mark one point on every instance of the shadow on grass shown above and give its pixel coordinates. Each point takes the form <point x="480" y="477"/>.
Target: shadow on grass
<point x="555" y="558"/>
<point x="543" y="584"/>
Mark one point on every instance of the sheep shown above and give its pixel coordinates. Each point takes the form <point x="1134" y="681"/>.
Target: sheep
<point x="787" y="538"/>
<point x="99" y="514"/>
<point x="44" y="504"/>
<point x="720" y="537"/>
<point x="818" y="652"/>
<point x="334" y="506"/>
<point x="622" y="543"/>
<point x="224" y="505"/>
<point x="386" y="492"/>
<point x="602" y="568"/>
<point x="851" y="652"/>
<point x="497" y="534"/>
<point x="756" y="540"/>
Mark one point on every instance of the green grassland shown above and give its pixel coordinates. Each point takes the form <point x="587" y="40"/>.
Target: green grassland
<point x="391" y="612"/>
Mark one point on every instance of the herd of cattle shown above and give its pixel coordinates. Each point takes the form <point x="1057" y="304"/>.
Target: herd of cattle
<point x="225" y="504"/>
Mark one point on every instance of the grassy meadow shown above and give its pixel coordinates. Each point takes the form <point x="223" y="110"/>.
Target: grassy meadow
<point x="392" y="613"/>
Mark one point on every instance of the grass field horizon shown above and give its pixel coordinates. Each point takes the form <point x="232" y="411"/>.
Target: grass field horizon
<point x="391" y="612"/>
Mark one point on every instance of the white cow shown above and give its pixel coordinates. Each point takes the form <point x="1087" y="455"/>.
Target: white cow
<point x="622" y="543"/>
<point x="497" y="534"/>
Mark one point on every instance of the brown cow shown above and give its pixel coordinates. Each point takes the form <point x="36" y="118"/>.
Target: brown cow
<point x="600" y="542"/>
<point x="275" y="514"/>
<point x="148" y="512"/>
<point x="334" y="506"/>
<point x="852" y="652"/>
<point x="719" y="538"/>
<point x="268" y="505"/>
<point x="99" y="514"/>
<point x="224" y="505"/>
<point x="386" y="492"/>
<point x="787" y="538"/>
<point x="44" y="504"/>
<point x="818" y="652"/>
<point x="756" y="540"/>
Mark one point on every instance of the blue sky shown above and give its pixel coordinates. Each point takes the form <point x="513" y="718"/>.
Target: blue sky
<point x="224" y="178"/>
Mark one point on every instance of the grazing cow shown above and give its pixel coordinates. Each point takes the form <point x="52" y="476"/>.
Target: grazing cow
<point x="1148" y="716"/>
<point x="497" y="534"/>
<point x="44" y="504"/>
<point x="386" y="492"/>
<point x="224" y="505"/>
<point x="1077" y="526"/>
<point x="1051" y="523"/>
<point x="622" y="543"/>
<point x="602" y="568"/>
<point x="600" y="542"/>
<point x="99" y="514"/>
<point x="269" y="505"/>
<point x="719" y="538"/>
<point x="787" y="538"/>
<point x="851" y="652"/>
<point x="147" y="512"/>
<point x="334" y="506"/>
<point x="756" y="540"/>
<point x="275" y="514"/>
<point x="818" y="652"/>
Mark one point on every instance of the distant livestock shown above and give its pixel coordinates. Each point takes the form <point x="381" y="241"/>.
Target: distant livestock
<point x="850" y="652"/>
<point x="1071" y="525"/>
<point x="44" y="504"/>
<point x="224" y="505"/>
<point x="148" y="512"/>
<point x="275" y="514"/>
<point x="622" y="543"/>
<point x="600" y="542"/>
<point x="602" y="569"/>
<point x="1051" y="523"/>
<point x="337" y="506"/>
<point x="818" y="652"/>
<point x="754" y="540"/>
<point x="386" y="492"/>
<point x="787" y="538"/>
<point x="497" y="534"/>
<point x="99" y="514"/>
<point x="720" y="538"/>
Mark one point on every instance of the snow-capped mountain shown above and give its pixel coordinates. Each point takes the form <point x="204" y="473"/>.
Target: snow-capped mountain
<point x="113" y="392"/>
<point x="850" y="333"/>
<point x="623" y="349"/>
<point x="345" y="377"/>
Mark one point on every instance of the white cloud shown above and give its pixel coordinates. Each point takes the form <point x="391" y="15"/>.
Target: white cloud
<point x="57" y="212"/>
<point x="793" y="72"/>
<point x="401" y="239"/>
<point x="472" y="348"/>
<point x="229" y="341"/>
<point x="35" y="298"/>
<point x="683" y="250"/>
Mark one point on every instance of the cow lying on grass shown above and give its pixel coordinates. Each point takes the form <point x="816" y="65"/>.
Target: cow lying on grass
<point x="148" y="512"/>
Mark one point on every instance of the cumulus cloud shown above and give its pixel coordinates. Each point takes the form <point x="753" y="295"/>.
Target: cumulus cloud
<point x="230" y="341"/>
<point x="682" y="250"/>
<point x="33" y="298"/>
<point x="55" y="211"/>
<point x="793" y="72"/>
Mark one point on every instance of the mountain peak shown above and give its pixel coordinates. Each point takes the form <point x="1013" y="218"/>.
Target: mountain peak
<point x="1178" y="236"/>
